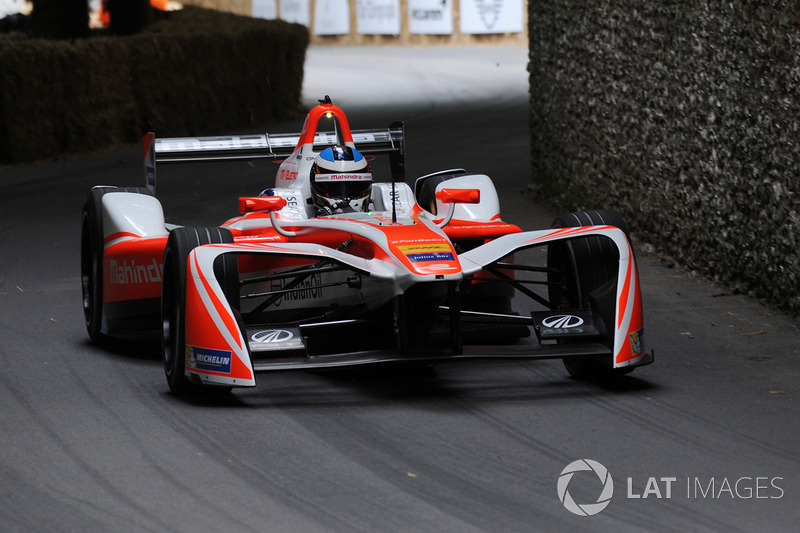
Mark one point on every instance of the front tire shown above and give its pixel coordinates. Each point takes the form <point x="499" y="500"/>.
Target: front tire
<point x="180" y="243"/>
<point x="92" y="258"/>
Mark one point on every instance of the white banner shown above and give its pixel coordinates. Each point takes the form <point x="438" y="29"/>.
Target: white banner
<point x="297" y="11"/>
<point x="265" y="9"/>
<point x="378" y="17"/>
<point x="432" y="17"/>
<point x="331" y="17"/>
<point x="10" y="7"/>
<point x="491" y="16"/>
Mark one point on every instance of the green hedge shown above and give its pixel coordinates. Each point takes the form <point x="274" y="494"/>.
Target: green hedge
<point x="198" y="72"/>
<point x="685" y="117"/>
<point x="61" y="19"/>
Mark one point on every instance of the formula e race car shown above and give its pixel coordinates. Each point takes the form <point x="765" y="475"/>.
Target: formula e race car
<point x="330" y="268"/>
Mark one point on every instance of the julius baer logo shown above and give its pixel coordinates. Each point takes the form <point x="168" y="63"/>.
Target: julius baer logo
<point x="585" y="488"/>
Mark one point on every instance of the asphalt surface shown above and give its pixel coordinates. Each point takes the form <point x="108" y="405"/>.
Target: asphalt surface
<point x="705" y="439"/>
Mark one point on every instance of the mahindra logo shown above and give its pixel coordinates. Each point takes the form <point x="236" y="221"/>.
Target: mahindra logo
<point x="272" y="336"/>
<point x="562" y="321"/>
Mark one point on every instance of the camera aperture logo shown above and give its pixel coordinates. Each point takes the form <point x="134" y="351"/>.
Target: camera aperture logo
<point x="664" y="487"/>
<point x="585" y="509"/>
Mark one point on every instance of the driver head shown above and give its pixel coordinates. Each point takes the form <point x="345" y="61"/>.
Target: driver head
<point x="340" y="180"/>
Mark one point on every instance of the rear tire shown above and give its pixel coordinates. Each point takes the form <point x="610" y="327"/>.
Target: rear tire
<point x="591" y="265"/>
<point x="180" y="243"/>
<point x="92" y="258"/>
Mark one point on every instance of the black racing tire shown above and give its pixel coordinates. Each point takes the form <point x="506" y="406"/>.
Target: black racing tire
<point x="92" y="258"/>
<point x="180" y="243"/>
<point x="591" y="265"/>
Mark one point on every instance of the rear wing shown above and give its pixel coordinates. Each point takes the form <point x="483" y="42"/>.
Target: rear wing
<point x="389" y="141"/>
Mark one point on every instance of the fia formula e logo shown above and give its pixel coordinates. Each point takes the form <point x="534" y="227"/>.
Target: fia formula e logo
<point x="562" y="321"/>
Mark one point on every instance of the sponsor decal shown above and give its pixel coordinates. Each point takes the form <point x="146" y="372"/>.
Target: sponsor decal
<point x="308" y="289"/>
<point x="343" y="177"/>
<point x="209" y="360"/>
<point x="435" y="256"/>
<point x="126" y="273"/>
<point x="419" y="248"/>
<point x="288" y="175"/>
<point x="275" y="339"/>
<point x="272" y="336"/>
<point x="150" y="180"/>
<point x="637" y="344"/>
<point x="433" y="240"/>
<point x="562" y="321"/>
<point x="435" y="251"/>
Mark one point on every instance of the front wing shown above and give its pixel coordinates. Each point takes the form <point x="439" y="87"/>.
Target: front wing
<point x="220" y="348"/>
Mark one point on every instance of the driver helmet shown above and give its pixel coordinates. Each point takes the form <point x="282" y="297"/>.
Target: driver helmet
<point x="341" y="180"/>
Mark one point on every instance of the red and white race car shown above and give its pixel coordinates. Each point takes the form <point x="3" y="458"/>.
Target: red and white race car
<point x="331" y="268"/>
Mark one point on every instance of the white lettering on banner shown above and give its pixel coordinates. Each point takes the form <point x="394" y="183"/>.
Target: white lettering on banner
<point x="128" y="273"/>
<point x="378" y="17"/>
<point x="427" y="14"/>
<point x="431" y="17"/>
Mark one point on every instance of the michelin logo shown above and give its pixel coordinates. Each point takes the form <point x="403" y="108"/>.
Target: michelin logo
<point x="210" y="360"/>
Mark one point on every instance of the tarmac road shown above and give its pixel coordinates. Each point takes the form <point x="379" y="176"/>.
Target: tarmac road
<point x="705" y="439"/>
